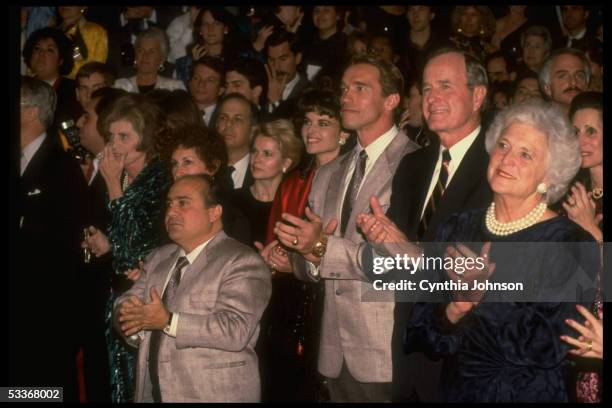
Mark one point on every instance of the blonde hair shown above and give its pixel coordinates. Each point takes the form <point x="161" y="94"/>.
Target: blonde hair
<point x="283" y="132"/>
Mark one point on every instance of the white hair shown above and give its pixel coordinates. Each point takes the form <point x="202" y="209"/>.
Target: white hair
<point x="563" y="149"/>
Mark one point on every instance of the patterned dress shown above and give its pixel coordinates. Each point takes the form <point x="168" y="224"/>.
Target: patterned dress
<point x="135" y="230"/>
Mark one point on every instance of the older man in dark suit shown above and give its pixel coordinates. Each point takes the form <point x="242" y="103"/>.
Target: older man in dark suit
<point x="204" y="295"/>
<point x="446" y="177"/>
<point x="52" y="198"/>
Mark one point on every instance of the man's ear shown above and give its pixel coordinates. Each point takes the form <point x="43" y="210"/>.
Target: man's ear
<point x="432" y="16"/>
<point x="547" y="90"/>
<point x="478" y="96"/>
<point x="392" y="101"/>
<point x="298" y="58"/>
<point x="215" y="212"/>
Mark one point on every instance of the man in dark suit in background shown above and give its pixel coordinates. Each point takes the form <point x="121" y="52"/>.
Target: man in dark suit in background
<point x="454" y="91"/>
<point x="285" y="83"/>
<point x="51" y="201"/>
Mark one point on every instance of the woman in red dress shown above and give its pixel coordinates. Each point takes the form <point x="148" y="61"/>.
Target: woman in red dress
<point x="292" y="329"/>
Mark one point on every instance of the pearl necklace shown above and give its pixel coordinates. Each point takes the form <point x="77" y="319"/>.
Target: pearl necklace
<point x="507" y="228"/>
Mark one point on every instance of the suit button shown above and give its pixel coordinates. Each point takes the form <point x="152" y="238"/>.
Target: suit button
<point x="338" y="292"/>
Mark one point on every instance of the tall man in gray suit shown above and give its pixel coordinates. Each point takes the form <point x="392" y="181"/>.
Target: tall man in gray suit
<point x="355" y="350"/>
<point x="195" y="310"/>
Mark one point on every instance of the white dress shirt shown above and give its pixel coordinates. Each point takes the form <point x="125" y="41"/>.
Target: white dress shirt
<point x="96" y="167"/>
<point x="191" y="257"/>
<point x="578" y="36"/>
<point x="457" y="152"/>
<point x="374" y="150"/>
<point x="30" y="150"/>
<point x="240" y="169"/>
<point x="286" y="92"/>
<point x="208" y="112"/>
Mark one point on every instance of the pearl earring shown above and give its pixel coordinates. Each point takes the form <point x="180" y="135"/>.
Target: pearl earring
<point x="342" y="141"/>
<point x="284" y="170"/>
<point x="542" y="188"/>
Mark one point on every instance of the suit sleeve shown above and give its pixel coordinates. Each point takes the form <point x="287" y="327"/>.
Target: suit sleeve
<point x="138" y="289"/>
<point x="243" y="295"/>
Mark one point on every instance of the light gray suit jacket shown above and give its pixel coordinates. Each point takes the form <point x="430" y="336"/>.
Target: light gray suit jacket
<point x="356" y="331"/>
<point x="220" y="299"/>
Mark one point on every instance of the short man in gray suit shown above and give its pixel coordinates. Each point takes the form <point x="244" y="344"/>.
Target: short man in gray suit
<point x="355" y="350"/>
<point x="194" y="312"/>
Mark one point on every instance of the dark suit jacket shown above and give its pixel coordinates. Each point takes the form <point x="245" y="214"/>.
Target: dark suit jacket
<point x="51" y="200"/>
<point x="468" y="189"/>
<point x="288" y="107"/>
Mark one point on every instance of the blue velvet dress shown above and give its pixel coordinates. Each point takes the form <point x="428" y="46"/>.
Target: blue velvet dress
<point x="505" y="351"/>
<point x="135" y="230"/>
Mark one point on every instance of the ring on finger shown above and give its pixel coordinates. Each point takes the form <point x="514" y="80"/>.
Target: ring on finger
<point x="295" y="241"/>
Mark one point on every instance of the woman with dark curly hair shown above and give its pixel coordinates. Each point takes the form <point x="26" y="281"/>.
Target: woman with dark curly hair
<point x="194" y="149"/>
<point x="136" y="181"/>
<point x="48" y="55"/>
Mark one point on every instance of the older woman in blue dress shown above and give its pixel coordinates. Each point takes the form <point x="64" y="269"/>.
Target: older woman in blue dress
<point x="494" y="347"/>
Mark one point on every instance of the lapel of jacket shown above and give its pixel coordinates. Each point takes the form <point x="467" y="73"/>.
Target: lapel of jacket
<point x="380" y="175"/>
<point x="193" y="271"/>
<point x="160" y="273"/>
<point x="333" y="198"/>
<point x="471" y="172"/>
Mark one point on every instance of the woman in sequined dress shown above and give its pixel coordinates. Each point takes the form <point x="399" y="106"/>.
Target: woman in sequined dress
<point x="136" y="182"/>
<point x="584" y="206"/>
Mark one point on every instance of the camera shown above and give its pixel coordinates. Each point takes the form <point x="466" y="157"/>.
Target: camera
<point x="71" y="135"/>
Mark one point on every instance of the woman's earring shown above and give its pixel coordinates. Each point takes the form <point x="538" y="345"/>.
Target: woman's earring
<point x="284" y="170"/>
<point x="342" y="141"/>
<point x="161" y="68"/>
<point x="542" y="189"/>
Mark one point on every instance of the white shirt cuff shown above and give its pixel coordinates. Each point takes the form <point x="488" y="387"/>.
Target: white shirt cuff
<point x="171" y="331"/>
<point x="313" y="269"/>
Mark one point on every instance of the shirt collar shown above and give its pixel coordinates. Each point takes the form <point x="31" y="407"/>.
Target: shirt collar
<point x="193" y="255"/>
<point x="30" y="150"/>
<point x="579" y="35"/>
<point x="459" y="149"/>
<point x="375" y="149"/>
<point x="290" y="85"/>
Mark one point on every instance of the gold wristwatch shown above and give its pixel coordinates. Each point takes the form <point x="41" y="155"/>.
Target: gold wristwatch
<point x="319" y="248"/>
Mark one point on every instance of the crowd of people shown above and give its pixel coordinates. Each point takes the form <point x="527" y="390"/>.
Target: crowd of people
<point x="203" y="191"/>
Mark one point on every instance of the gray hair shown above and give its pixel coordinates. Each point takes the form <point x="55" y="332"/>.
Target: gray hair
<point x="35" y="92"/>
<point x="154" y="33"/>
<point x="544" y="77"/>
<point x="476" y="72"/>
<point x="537" y="31"/>
<point x="563" y="149"/>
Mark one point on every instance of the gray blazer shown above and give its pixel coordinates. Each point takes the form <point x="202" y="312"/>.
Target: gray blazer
<point x="356" y="331"/>
<point x="220" y="299"/>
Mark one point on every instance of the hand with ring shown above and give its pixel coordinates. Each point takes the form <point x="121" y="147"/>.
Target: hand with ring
<point x="590" y="342"/>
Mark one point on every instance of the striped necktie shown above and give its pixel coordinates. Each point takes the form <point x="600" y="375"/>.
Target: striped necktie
<point x="436" y="195"/>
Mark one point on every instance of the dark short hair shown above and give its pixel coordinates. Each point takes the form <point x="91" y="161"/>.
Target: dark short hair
<point x="320" y="101"/>
<point x="210" y="195"/>
<point x="586" y="100"/>
<point x="96" y="67"/>
<point x="277" y="38"/>
<point x="211" y="62"/>
<point x="206" y="143"/>
<point x="390" y="77"/>
<point x="240" y="97"/>
<point x="254" y="71"/>
<point x="64" y="47"/>
<point x="500" y="54"/>
<point x="144" y="115"/>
